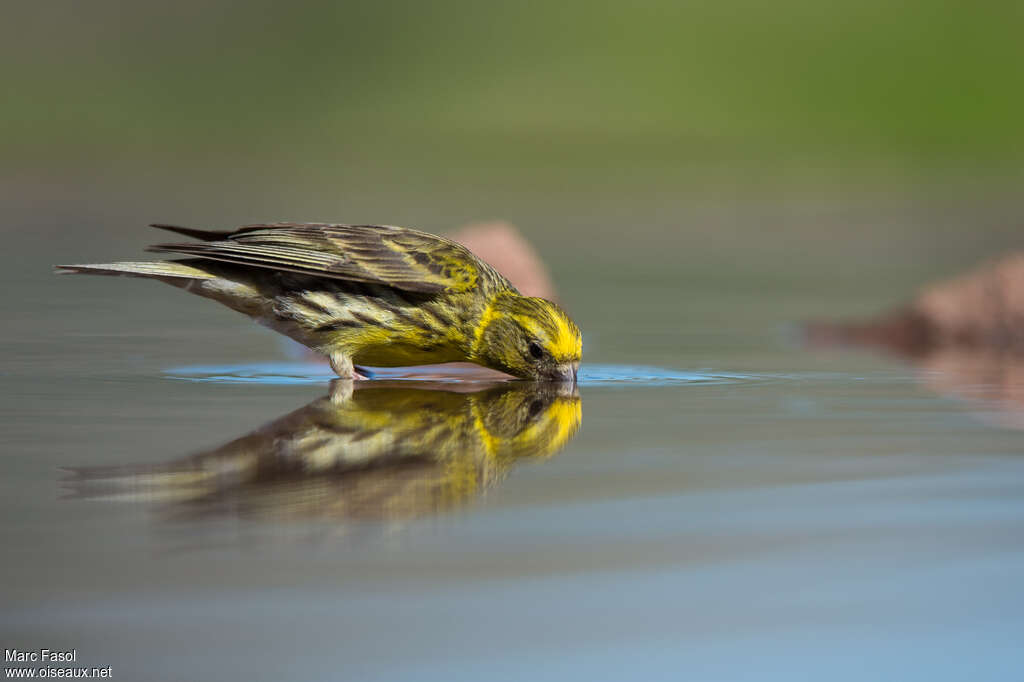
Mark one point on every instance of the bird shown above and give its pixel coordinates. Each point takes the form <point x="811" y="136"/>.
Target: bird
<point x="368" y="296"/>
<point x="369" y="450"/>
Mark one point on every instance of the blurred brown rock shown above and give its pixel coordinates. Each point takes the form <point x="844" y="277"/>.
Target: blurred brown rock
<point x="982" y="309"/>
<point x="966" y="335"/>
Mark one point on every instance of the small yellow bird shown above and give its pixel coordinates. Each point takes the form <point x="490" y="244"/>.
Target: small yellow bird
<point x="369" y="295"/>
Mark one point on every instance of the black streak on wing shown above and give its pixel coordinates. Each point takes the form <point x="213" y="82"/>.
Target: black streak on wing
<point x="205" y="235"/>
<point x="337" y="325"/>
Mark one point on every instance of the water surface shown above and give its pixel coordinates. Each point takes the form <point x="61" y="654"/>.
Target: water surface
<point x="713" y="502"/>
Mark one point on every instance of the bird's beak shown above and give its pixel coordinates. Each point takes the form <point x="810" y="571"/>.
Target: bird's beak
<point x="567" y="372"/>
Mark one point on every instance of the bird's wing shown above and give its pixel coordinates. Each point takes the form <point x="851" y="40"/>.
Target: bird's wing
<point x="394" y="256"/>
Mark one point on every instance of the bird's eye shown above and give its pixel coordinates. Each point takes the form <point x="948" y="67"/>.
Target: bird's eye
<point x="535" y="407"/>
<point x="535" y="350"/>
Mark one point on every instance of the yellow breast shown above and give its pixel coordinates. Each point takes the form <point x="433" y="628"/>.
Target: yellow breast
<point x="399" y="354"/>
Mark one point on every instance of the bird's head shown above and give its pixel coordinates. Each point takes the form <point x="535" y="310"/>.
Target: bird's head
<point x="531" y="338"/>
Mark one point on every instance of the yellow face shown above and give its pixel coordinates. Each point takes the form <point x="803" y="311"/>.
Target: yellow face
<point x="531" y="338"/>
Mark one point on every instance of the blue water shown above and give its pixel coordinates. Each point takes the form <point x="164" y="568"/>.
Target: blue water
<point x="316" y="373"/>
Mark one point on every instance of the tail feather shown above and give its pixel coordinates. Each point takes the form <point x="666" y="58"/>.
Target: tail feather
<point x="170" y="269"/>
<point x="204" y="235"/>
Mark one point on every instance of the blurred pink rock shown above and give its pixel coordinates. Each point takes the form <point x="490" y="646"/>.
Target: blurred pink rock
<point x="983" y="308"/>
<point x="504" y="248"/>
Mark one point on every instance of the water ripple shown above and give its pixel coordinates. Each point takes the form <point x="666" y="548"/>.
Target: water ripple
<point x="280" y="373"/>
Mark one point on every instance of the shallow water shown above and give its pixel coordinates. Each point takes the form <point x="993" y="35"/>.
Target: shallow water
<point x="272" y="373"/>
<point x="725" y="506"/>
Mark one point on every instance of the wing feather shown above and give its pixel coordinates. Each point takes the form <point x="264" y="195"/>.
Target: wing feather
<point x="378" y="254"/>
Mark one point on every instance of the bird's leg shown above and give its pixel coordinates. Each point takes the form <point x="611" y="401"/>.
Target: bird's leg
<point x="342" y="365"/>
<point x="344" y="385"/>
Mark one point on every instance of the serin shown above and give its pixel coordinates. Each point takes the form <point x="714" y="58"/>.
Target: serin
<point x="369" y="295"/>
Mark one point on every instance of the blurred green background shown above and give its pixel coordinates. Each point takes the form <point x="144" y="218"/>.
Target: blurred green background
<point x="452" y="88"/>
<point x="844" y="147"/>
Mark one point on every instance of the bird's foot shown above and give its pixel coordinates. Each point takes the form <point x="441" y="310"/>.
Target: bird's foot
<point x="342" y="388"/>
<point x="362" y="372"/>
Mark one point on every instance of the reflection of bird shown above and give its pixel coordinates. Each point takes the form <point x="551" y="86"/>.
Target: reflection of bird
<point x="370" y="295"/>
<point x="380" y="452"/>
